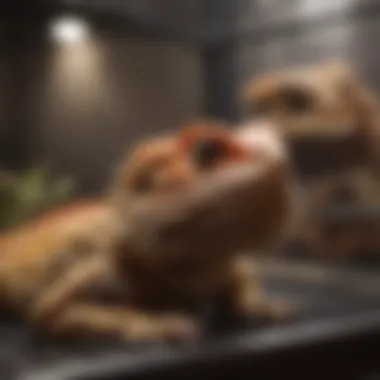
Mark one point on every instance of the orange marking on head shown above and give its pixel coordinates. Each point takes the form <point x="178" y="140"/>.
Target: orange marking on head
<point x="198" y="131"/>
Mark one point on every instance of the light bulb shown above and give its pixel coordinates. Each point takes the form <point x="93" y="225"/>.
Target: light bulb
<point x="69" y="30"/>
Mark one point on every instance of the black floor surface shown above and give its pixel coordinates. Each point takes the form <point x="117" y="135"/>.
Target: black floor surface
<point x="320" y="303"/>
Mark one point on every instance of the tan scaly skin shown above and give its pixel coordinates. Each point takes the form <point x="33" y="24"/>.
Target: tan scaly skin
<point x="328" y="111"/>
<point x="170" y="234"/>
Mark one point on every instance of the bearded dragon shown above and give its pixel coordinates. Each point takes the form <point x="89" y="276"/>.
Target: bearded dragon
<point x="171" y="232"/>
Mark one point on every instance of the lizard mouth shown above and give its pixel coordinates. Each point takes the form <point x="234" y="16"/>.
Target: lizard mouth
<point x="209" y="194"/>
<point x="211" y="215"/>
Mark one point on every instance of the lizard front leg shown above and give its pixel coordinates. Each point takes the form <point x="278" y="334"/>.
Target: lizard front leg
<point x="246" y="296"/>
<point x="75" y="280"/>
<point x="126" y="323"/>
<point x="58" y="311"/>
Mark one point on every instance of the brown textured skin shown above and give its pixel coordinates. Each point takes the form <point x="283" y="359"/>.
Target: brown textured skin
<point x="351" y="238"/>
<point x="342" y="129"/>
<point x="154" y="266"/>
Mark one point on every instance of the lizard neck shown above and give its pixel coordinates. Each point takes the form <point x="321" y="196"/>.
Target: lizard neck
<point x="164" y="280"/>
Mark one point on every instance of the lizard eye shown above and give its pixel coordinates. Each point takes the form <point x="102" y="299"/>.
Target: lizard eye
<point x="207" y="152"/>
<point x="296" y="99"/>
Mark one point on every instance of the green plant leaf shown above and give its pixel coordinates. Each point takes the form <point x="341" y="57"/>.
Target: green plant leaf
<point x="28" y="194"/>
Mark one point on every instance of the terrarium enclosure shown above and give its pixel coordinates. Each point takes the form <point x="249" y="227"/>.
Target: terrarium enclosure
<point x="82" y="81"/>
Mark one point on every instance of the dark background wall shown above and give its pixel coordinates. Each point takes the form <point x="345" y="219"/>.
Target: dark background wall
<point x="152" y="65"/>
<point x="92" y="102"/>
<point x="81" y="106"/>
<point x="277" y="34"/>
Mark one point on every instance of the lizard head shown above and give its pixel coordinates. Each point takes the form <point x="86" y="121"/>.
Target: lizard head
<point x="310" y="101"/>
<point x="206" y="186"/>
<point x="326" y="110"/>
